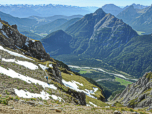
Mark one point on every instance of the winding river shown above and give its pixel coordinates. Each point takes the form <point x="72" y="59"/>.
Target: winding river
<point x="99" y="69"/>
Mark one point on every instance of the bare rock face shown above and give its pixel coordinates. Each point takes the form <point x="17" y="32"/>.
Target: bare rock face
<point x="14" y="26"/>
<point x="139" y="94"/>
<point x="10" y="37"/>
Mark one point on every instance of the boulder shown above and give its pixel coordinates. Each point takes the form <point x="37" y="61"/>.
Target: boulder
<point x="116" y="112"/>
<point x="14" y="26"/>
<point x="31" y="103"/>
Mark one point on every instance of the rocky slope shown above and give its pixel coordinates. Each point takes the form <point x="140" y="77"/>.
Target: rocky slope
<point x="24" y="64"/>
<point x="137" y="95"/>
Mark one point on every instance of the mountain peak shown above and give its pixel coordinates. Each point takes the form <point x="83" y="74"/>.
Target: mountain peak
<point x="131" y="6"/>
<point x="99" y="11"/>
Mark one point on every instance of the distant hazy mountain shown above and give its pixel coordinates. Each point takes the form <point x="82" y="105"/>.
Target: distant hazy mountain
<point x="67" y="24"/>
<point x="31" y="35"/>
<point x="144" y="22"/>
<point x="45" y="20"/>
<point x="49" y="27"/>
<point x="22" y="23"/>
<point x="23" y="12"/>
<point x="136" y="6"/>
<point x="44" y="10"/>
<point x="139" y="19"/>
<point x="57" y="43"/>
<point x="129" y="14"/>
<point x="111" y="8"/>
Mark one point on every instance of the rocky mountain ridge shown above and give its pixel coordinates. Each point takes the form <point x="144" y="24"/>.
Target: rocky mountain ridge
<point x="137" y="95"/>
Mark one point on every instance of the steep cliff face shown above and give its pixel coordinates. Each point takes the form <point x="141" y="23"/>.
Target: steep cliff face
<point x="139" y="94"/>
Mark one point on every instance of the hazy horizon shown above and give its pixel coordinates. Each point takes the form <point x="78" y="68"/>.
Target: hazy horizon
<point x="84" y="3"/>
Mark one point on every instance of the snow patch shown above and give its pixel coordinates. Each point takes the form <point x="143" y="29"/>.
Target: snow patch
<point x="1" y="25"/>
<point x="27" y="41"/>
<point x="95" y="89"/>
<point x="56" y="98"/>
<point x="14" y="74"/>
<point x="92" y="104"/>
<point x="14" y="53"/>
<point x="87" y="105"/>
<point x="23" y="63"/>
<point x="92" y="91"/>
<point x="50" y="65"/>
<point x="4" y="33"/>
<point x="33" y="40"/>
<point x="26" y="94"/>
<point x="44" y="95"/>
<point x="73" y="85"/>
<point x="43" y="67"/>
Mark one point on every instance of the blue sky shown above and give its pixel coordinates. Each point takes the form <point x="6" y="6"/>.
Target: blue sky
<point x="97" y="3"/>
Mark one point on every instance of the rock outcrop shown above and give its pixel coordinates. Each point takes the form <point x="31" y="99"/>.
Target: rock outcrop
<point x="10" y="37"/>
<point x="139" y="94"/>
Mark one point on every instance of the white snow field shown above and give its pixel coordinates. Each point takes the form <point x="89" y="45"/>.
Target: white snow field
<point x="14" y="74"/>
<point x="44" y="95"/>
<point x="23" y="63"/>
<point x="73" y="85"/>
<point x="14" y="53"/>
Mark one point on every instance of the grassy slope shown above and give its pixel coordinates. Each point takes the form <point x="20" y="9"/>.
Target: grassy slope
<point x="39" y="74"/>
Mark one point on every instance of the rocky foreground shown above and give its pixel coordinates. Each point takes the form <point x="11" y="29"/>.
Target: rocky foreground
<point x="27" y="106"/>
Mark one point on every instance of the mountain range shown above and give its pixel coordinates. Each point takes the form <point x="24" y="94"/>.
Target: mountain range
<point x="44" y="10"/>
<point x="105" y="37"/>
<point x="115" y="10"/>
<point x="93" y="29"/>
